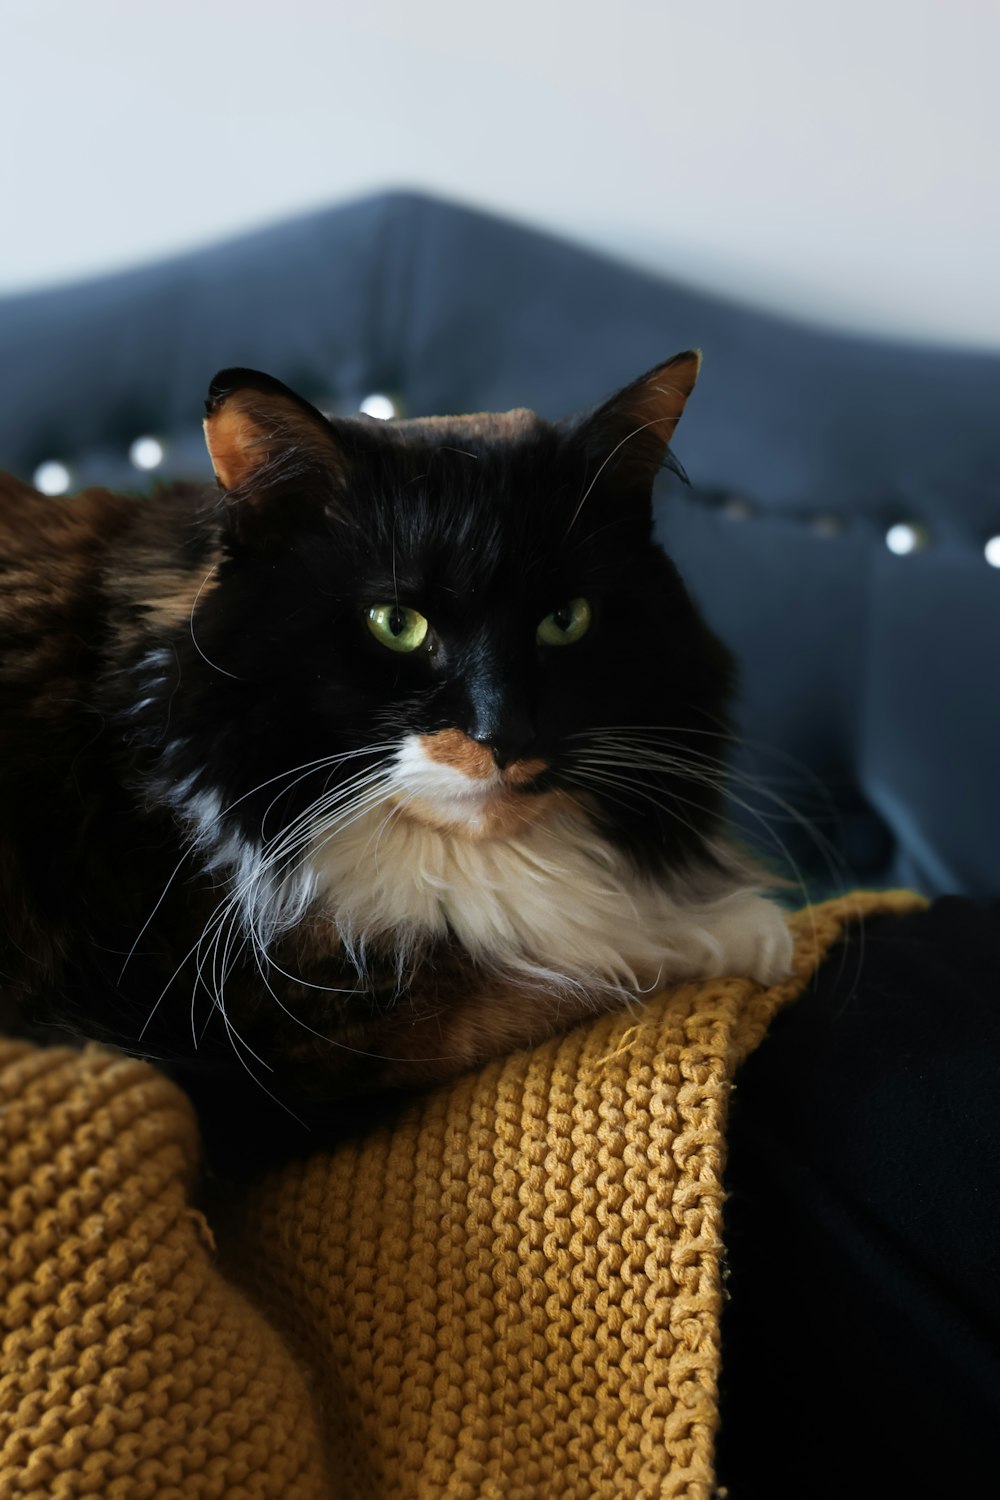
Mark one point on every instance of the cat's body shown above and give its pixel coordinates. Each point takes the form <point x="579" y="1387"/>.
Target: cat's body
<point x="242" y="814"/>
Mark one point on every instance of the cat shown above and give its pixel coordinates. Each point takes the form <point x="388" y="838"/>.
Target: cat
<point x="397" y="751"/>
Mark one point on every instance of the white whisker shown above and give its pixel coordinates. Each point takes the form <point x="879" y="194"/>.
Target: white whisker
<point x="194" y="639"/>
<point x="655" y="422"/>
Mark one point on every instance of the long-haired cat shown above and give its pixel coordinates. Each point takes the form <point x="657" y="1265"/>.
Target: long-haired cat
<point x="395" y="752"/>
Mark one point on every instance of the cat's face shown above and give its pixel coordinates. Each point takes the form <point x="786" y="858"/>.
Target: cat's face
<point x="470" y="606"/>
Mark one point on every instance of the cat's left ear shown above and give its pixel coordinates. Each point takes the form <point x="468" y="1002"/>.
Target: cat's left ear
<point x="266" y="444"/>
<point x="628" y="437"/>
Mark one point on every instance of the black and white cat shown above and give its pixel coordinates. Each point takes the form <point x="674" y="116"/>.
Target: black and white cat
<point x="400" y="751"/>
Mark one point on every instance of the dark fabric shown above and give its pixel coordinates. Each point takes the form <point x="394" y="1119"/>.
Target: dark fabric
<point x="861" y="1341"/>
<point x="868" y="701"/>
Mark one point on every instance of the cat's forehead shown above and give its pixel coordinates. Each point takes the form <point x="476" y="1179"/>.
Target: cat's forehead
<point x="465" y="501"/>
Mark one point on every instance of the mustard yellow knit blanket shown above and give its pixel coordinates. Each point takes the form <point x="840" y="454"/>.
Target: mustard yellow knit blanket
<point x="512" y="1292"/>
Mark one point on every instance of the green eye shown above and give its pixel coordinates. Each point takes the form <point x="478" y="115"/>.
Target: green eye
<point x="566" y="625"/>
<point x="397" y="627"/>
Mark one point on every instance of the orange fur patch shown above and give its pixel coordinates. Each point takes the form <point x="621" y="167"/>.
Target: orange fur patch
<point x="233" y="439"/>
<point x="522" y="772"/>
<point x="450" y="747"/>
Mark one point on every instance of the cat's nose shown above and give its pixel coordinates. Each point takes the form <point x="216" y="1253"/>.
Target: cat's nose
<point x="509" y="736"/>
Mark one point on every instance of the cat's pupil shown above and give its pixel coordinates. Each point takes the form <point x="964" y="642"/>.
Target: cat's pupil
<point x="397" y="621"/>
<point x="563" y="617"/>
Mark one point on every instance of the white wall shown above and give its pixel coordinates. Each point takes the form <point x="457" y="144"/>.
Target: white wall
<point x="834" y="159"/>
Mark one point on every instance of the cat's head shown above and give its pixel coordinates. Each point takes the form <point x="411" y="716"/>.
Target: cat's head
<point x="475" y="602"/>
<point x="476" y="598"/>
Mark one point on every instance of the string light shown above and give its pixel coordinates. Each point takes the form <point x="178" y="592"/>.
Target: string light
<point x="146" y="453"/>
<point x="379" y="405"/>
<point x="904" y="538"/>
<point x="51" y="477"/>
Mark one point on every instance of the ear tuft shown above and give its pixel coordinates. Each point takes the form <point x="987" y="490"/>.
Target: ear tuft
<point x="629" y="436"/>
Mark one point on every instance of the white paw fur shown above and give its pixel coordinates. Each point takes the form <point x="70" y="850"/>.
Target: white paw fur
<point x="744" y="934"/>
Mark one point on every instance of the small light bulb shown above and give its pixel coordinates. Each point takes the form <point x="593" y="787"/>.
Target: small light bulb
<point x="904" y="538"/>
<point x="992" y="551"/>
<point x="378" y="405"/>
<point x="146" y="453"/>
<point x="52" y="478"/>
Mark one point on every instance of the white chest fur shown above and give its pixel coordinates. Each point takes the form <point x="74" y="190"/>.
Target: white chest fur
<point x="547" y="899"/>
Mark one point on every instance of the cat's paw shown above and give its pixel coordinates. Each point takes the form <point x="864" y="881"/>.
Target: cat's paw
<point x="755" y="940"/>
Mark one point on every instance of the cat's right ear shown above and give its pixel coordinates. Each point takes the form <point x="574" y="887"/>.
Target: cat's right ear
<point x="629" y="435"/>
<point x="273" y="454"/>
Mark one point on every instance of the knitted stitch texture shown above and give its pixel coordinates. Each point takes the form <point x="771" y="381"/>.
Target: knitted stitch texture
<point x="512" y="1291"/>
